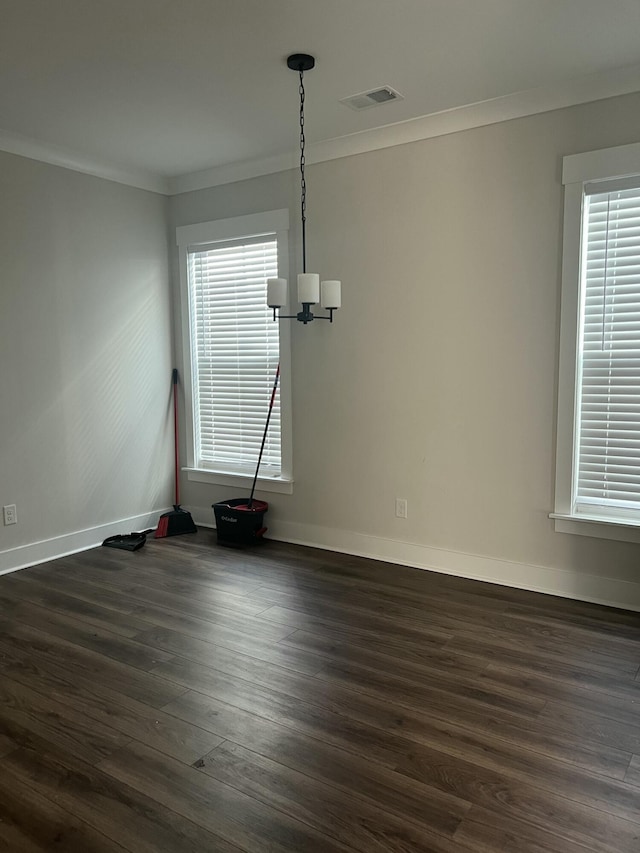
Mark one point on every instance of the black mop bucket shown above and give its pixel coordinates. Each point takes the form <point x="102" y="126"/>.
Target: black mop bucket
<point x="240" y="521"/>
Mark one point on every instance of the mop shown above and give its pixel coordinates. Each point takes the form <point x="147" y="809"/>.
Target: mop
<point x="249" y="505"/>
<point x="240" y="521"/>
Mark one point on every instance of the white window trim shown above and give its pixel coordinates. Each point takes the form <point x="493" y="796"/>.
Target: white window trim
<point x="187" y="236"/>
<point x="578" y="170"/>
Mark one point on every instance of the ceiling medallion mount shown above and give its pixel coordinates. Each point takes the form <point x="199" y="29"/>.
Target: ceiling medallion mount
<point x="300" y="62"/>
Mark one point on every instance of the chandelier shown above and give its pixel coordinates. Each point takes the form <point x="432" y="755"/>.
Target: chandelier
<point x="310" y="289"/>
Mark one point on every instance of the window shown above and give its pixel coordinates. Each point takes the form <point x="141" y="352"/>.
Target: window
<point x="233" y="348"/>
<point x="598" y="455"/>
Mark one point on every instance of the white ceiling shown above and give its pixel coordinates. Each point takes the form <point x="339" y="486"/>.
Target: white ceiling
<point x="169" y="87"/>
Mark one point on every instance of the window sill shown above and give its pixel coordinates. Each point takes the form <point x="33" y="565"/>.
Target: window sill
<point x="240" y="481"/>
<point x="600" y="528"/>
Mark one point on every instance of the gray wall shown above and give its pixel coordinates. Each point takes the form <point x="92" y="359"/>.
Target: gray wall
<point x="85" y="352"/>
<point x="437" y="382"/>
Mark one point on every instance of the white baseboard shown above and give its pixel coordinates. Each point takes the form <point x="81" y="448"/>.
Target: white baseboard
<point x="561" y="582"/>
<point x="71" y="543"/>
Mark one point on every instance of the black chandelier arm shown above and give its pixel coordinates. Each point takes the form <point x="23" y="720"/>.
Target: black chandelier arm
<point x="305" y="316"/>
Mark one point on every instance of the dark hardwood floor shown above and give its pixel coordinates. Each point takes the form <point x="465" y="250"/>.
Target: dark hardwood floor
<point x="189" y="697"/>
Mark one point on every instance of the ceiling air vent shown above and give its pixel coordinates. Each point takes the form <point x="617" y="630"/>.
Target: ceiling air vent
<point x="373" y="98"/>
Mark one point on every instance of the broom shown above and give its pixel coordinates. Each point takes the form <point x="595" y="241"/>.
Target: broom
<point x="178" y="520"/>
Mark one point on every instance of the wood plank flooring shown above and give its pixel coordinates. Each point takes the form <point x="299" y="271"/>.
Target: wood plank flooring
<point x="189" y="697"/>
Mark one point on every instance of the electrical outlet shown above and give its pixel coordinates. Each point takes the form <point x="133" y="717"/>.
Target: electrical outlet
<point x="401" y="507"/>
<point x="10" y="514"/>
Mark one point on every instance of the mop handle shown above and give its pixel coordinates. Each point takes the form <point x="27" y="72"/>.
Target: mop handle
<point x="174" y="378"/>
<point x="264" y="437"/>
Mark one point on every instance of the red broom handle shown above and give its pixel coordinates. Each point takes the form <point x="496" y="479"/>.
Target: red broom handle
<point x="175" y="433"/>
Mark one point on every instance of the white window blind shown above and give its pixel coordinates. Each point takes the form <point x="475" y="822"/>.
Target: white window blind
<point x="607" y="446"/>
<point x="235" y="354"/>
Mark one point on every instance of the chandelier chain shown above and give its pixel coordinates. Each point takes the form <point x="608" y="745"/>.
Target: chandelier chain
<point x="303" y="183"/>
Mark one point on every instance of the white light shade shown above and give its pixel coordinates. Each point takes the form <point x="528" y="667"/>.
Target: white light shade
<point x="330" y="291"/>
<point x="308" y="287"/>
<point x="276" y="292"/>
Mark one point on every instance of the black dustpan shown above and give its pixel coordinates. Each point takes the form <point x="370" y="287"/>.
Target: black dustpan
<point x="126" y="541"/>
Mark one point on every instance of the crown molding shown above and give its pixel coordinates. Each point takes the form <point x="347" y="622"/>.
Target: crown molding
<point x="32" y="149"/>
<point x="231" y="172"/>
<point x="593" y="87"/>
